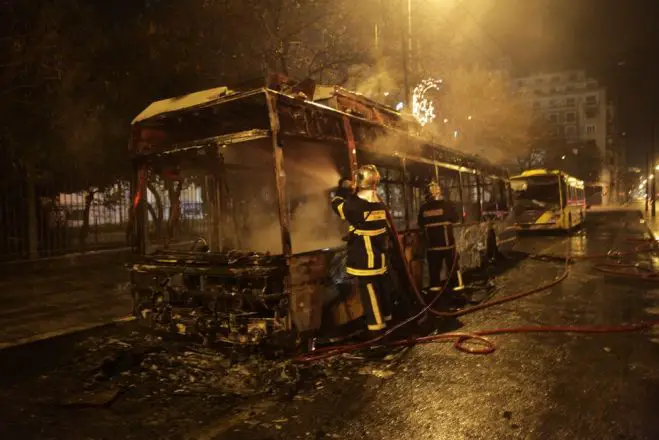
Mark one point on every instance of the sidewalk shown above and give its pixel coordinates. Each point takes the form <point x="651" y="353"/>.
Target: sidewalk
<point x="51" y="303"/>
<point x="651" y="222"/>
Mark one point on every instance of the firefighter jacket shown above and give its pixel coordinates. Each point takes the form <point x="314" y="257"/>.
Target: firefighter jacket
<point x="436" y="218"/>
<point x="368" y="238"/>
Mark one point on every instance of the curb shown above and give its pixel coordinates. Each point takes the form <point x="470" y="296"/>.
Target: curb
<point x="645" y="223"/>
<point x="64" y="332"/>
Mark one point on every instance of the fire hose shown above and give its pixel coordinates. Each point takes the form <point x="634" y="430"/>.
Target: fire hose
<point x="477" y="342"/>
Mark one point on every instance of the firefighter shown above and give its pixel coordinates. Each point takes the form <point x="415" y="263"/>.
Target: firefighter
<point x="436" y="219"/>
<point x="367" y="242"/>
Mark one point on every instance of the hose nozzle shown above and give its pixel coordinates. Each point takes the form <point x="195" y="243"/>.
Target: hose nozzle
<point x="460" y="285"/>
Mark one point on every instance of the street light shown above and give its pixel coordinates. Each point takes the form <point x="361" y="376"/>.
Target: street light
<point x="563" y="157"/>
<point x="407" y="49"/>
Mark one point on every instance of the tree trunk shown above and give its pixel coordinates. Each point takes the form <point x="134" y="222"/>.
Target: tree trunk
<point x="32" y="220"/>
<point x="158" y="214"/>
<point x="84" y="231"/>
<point x="174" y="190"/>
<point x="154" y="214"/>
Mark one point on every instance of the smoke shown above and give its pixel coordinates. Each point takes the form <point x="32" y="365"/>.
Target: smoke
<point x="372" y="81"/>
<point x="313" y="226"/>
<point x="310" y="175"/>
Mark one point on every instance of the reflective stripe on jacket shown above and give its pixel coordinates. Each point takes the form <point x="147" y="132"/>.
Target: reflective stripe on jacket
<point x="367" y="245"/>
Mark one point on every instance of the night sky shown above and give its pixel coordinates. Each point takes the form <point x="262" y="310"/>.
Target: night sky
<point x="616" y="41"/>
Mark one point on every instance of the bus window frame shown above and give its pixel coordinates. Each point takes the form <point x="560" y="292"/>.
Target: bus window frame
<point x="478" y="202"/>
<point x="459" y="204"/>
<point x="414" y="185"/>
<point x="384" y="164"/>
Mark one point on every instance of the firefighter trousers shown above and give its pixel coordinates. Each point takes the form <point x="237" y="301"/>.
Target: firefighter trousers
<point x="375" y="300"/>
<point x="436" y="260"/>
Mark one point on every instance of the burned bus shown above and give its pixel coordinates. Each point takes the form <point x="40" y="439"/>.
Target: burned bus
<point x="233" y="229"/>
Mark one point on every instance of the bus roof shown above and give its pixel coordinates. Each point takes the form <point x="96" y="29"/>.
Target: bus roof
<point x="545" y="172"/>
<point x="190" y="100"/>
<point x="386" y="118"/>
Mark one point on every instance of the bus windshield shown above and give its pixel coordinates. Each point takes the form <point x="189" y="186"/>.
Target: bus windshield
<point x="225" y="195"/>
<point x="536" y="191"/>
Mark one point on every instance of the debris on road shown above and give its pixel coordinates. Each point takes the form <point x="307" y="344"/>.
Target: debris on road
<point x="99" y="398"/>
<point x="382" y="374"/>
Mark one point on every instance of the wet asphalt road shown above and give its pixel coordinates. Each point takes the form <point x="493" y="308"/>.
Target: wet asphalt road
<point x="535" y="386"/>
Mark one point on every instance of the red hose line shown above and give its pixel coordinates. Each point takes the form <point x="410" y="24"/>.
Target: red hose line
<point x="465" y="341"/>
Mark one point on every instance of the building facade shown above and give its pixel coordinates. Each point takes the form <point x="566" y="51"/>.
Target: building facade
<point x="577" y="110"/>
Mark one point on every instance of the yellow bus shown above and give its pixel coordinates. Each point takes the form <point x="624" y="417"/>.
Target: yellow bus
<point x="548" y="199"/>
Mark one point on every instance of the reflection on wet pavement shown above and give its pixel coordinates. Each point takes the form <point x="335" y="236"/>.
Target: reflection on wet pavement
<point x="535" y="386"/>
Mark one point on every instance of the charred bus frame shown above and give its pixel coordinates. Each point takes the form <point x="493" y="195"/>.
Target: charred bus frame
<point x="204" y="291"/>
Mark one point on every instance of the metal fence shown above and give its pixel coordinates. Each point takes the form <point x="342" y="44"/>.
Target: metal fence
<point x="41" y="219"/>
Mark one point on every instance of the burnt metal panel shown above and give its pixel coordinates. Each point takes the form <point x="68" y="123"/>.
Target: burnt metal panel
<point x="351" y="144"/>
<point x="308" y="276"/>
<point x="280" y="176"/>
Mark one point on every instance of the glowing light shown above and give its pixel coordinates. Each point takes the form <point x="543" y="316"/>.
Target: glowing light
<point x="399" y="106"/>
<point x="469" y="117"/>
<point x="423" y="107"/>
<point x="563" y="157"/>
<point x="445" y="120"/>
<point x="386" y="93"/>
<point x="455" y="133"/>
<point x="656" y="168"/>
<point x="650" y="177"/>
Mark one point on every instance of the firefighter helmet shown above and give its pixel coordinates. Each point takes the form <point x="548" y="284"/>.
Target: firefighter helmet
<point x="433" y="190"/>
<point x="368" y="177"/>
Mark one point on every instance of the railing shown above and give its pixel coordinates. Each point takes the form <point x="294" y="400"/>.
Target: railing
<point x="40" y="219"/>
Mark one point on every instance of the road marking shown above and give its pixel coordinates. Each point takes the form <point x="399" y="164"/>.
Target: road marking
<point x="64" y="331"/>
<point x="242" y="413"/>
<point x="506" y="240"/>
